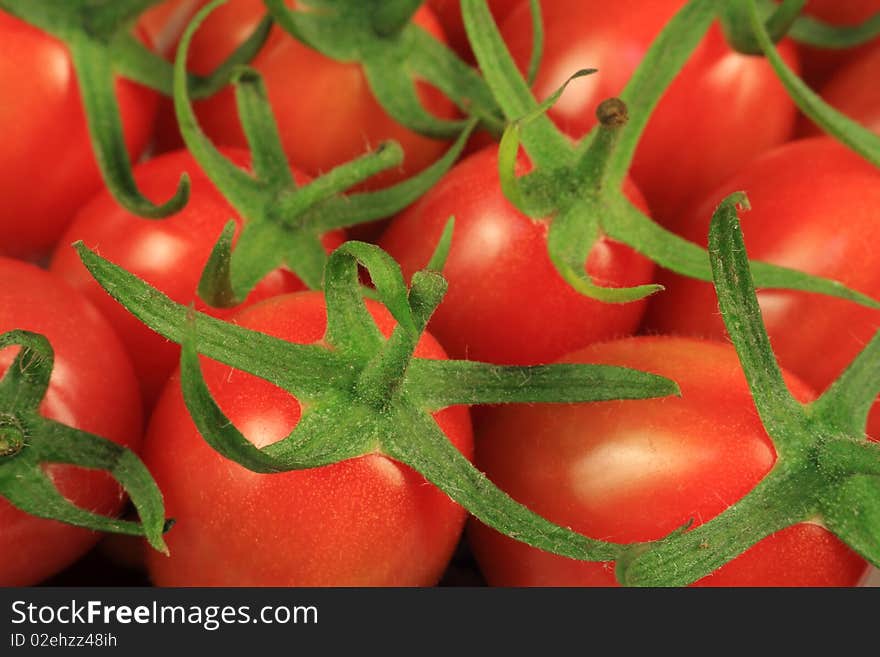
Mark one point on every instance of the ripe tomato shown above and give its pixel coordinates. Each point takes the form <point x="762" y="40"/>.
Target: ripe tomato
<point x="92" y="388"/>
<point x="629" y="471"/>
<point x="814" y="208"/>
<point x="170" y="254"/>
<point x="705" y="122"/>
<point x="506" y="302"/>
<point x="448" y="12"/>
<point x="47" y="169"/>
<point x="165" y="22"/>
<point x="365" y="521"/>
<point x="350" y="124"/>
<point x="819" y="63"/>
<point x="853" y="91"/>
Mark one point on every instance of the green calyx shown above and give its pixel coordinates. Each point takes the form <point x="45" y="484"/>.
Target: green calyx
<point x="102" y="45"/>
<point x="577" y="188"/>
<point x="364" y="393"/>
<point x="826" y="471"/>
<point x="395" y="53"/>
<point x="29" y="441"/>
<point x="284" y="222"/>
<point x="12" y="436"/>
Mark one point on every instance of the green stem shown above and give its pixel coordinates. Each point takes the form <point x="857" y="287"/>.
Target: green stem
<point x="417" y="442"/>
<point x="810" y="31"/>
<point x="685" y="557"/>
<point x="857" y="137"/>
<point x="844" y="457"/>
<point x="778" y="20"/>
<point x="391" y="16"/>
<point x="592" y="168"/>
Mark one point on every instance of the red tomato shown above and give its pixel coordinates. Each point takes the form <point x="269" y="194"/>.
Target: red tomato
<point x="170" y="254"/>
<point x="506" y="302"/>
<point x="853" y="90"/>
<point x="704" y="128"/>
<point x="165" y="22"/>
<point x="814" y="209"/>
<point x="361" y="522"/>
<point x="350" y="125"/>
<point x="632" y="471"/>
<point x="92" y="388"/>
<point x="47" y="169"/>
<point x="819" y="63"/>
<point x="448" y="12"/>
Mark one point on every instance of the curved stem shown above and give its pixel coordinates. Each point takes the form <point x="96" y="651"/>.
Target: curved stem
<point x="665" y="58"/>
<point x="26" y="380"/>
<point x="95" y="76"/>
<point x="543" y="141"/>
<point x="810" y="31"/>
<point x="780" y="413"/>
<point x="857" y="137"/>
<point x="685" y="557"/>
<point x="238" y="187"/>
<point x="849" y="400"/>
<point x="413" y="438"/>
<point x="778" y="20"/>
<point x="307" y="368"/>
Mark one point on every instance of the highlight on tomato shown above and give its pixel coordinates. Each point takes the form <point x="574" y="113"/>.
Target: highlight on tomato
<point x="632" y="471"/>
<point x="92" y="388"/>
<point x="507" y="303"/>
<point x="369" y="521"/>
<point x="695" y="137"/>
<point x="169" y="253"/>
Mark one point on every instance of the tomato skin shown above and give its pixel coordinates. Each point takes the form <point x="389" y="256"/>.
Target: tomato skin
<point x="363" y="522"/>
<point x="165" y="22"/>
<point x="819" y="64"/>
<point x="448" y="12"/>
<point x="731" y="106"/>
<point x="628" y="471"/>
<point x="92" y="388"/>
<point x="351" y="124"/>
<point x="853" y="91"/>
<point x="49" y="149"/>
<point x="814" y="209"/>
<point x="506" y="302"/>
<point x="170" y="254"/>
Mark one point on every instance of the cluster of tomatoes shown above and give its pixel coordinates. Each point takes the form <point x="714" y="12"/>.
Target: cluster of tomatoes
<point x="625" y="471"/>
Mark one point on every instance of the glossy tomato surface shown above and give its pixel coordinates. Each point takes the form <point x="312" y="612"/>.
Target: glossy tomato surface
<point x="170" y="254"/>
<point x="328" y="115"/>
<point x="165" y="22"/>
<point x="814" y="208"/>
<point x="628" y="471"/>
<point x="47" y="169"/>
<point x="722" y="110"/>
<point x="506" y="302"/>
<point x="92" y="388"/>
<point x="362" y="522"/>
<point x="853" y="90"/>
